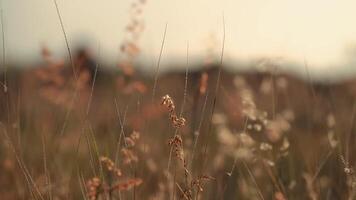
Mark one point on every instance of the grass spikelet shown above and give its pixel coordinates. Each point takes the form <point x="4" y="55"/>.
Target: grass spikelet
<point x="176" y="121"/>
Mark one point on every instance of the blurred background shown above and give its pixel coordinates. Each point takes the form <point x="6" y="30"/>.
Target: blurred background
<point x="287" y="32"/>
<point x="168" y="99"/>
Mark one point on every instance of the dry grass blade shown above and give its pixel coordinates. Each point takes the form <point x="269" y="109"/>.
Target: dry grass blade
<point x="32" y="186"/>
<point x="81" y="182"/>
<point x="185" y="83"/>
<point x="92" y="86"/>
<point x="253" y="180"/>
<point x="4" y="83"/>
<point x="65" y="39"/>
<point x="216" y="93"/>
<point x="45" y="167"/>
<point x="158" y="64"/>
<point x="197" y="132"/>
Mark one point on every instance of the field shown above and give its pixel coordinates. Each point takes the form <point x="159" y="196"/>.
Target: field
<point x="110" y="135"/>
<point x="73" y="128"/>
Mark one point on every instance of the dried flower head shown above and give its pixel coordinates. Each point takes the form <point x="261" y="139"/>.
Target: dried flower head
<point x="177" y="122"/>
<point x="129" y="156"/>
<point x="110" y="166"/>
<point x="347" y="169"/>
<point x="130" y="141"/>
<point x="177" y="143"/>
<point x="93" y="186"/>
<point x="198" y="182"/>
<point x="168" y="102"/>
<point x="265" y="146"/>
<point x="127" y="184"/>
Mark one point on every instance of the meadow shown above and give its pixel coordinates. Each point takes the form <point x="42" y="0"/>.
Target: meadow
<point x="107" y="135"/>
<point x="73" y="128"/>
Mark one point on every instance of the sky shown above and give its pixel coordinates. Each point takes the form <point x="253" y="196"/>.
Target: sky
<point x="291" y="33"/>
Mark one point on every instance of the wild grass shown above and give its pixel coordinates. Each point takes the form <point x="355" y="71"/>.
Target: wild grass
<point x="297" y="154"/>
<point x="89" y="133"/>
